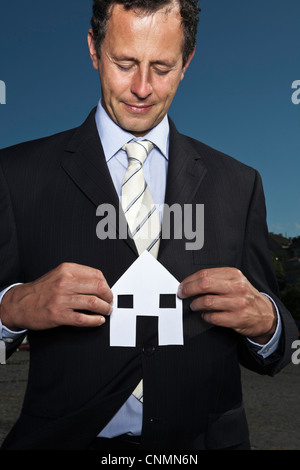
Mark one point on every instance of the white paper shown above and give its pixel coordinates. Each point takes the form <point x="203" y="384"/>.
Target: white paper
<point x="146" y="279"/>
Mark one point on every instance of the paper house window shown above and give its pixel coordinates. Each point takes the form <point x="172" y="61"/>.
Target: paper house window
<point x="125" y="301"/>
<point x="167" y="301"/>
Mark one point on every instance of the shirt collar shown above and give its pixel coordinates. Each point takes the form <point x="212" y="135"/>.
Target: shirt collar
<point x="114" y="137"/>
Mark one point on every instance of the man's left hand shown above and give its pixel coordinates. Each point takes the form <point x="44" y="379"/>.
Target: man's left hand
<point x="226" y="298"/>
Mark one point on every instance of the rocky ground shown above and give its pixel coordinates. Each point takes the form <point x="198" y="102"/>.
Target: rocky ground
<point x="272" y="404"/>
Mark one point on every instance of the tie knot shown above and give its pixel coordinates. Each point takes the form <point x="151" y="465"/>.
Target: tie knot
<point x="138" y="150"/>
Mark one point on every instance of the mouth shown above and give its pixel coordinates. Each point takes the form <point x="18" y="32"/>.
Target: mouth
<point x="138" y="108"/>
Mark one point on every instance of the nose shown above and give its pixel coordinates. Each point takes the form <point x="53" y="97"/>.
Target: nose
<point x="141" y="84"/>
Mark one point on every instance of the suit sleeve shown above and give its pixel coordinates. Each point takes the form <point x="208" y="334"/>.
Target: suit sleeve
<point x="257" y="266"/>
<point x="10" y="271"/>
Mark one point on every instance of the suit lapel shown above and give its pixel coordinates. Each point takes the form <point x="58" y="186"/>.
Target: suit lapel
<point x="84" y="162"/>
<point x="186" y="171"/>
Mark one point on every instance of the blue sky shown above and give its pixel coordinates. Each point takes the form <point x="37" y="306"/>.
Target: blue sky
<point x="236" y="95"/>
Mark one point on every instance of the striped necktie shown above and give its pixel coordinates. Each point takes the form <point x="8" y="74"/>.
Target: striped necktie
<point x="137" y="202"/>
<point x="140" y="210"/>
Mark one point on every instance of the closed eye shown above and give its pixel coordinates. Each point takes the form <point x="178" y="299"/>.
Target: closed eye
<point x="124" y="67"/>
<point x="162" y="71"/>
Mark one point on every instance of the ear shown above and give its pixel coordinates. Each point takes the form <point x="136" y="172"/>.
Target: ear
<point x="187" y="63"/>
<point x="92" y="49"/>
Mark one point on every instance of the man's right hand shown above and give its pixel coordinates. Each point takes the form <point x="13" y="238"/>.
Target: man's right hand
<point x="60" y="297"/>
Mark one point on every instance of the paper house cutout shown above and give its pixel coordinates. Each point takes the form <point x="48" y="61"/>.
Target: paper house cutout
<point x="147" y="288"/>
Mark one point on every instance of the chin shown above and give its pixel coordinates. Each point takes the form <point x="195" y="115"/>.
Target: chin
<point x="135" y="129"/>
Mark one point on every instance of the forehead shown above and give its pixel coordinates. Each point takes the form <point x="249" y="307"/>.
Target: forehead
<point x="160" y="32"/>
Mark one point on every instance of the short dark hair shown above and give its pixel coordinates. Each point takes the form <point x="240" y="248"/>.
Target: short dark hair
<point x="189" y="11"/>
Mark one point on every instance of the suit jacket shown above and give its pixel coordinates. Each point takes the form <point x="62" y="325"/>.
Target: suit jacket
<point x="50" y="189"/>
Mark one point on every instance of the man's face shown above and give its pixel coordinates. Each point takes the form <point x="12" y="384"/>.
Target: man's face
<point x="140" y="66"/>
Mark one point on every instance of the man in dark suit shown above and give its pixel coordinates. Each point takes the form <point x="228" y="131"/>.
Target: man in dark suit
<point x="79" y="387"/>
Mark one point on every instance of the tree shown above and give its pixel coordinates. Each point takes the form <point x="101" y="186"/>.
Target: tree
<point x="290" y="295"/>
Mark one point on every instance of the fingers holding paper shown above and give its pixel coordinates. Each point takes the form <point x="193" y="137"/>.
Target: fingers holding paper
<point x="64" y="296"/>
<point x="225" y="298"/>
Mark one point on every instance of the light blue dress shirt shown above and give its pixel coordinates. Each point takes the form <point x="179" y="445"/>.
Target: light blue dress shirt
<point x="129" y="418"/>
